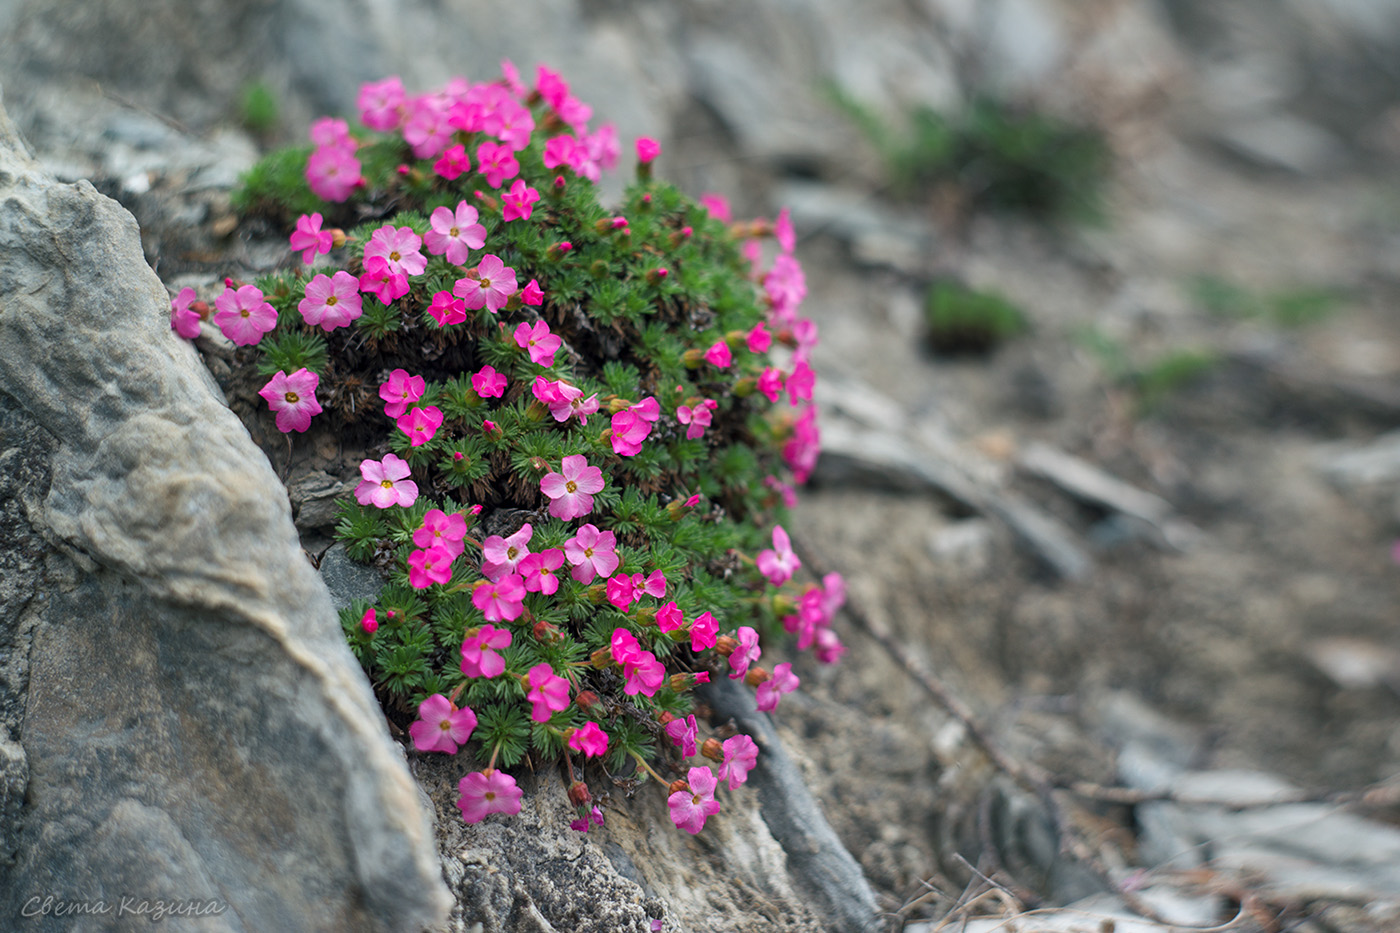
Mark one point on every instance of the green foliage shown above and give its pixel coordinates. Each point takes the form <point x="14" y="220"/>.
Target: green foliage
<point x="997" y="156"/>
<point x="276" y="186"/>
<point x="1291" y="307"/>
<point x="1153" y="381"/>
<point x="962" y="320"/>
<point x="257" y="107"/>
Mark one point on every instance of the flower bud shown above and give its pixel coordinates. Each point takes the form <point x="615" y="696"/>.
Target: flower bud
<point x="756" y="676"/>
<point x="538" y="464"/>
<point x="713" y="749"/>
<point x="784" y="605"/>
<point x="616" y="404"/>
<point x="557" y="251"/>
<point x="745" y="387"/>
<point x="368" y="622"/>
<point x="546" y="632"/>
<point x="645" y="616"/>
<point x="677" y="787"/>
<point x="725" y="645"/>
<point x="578" y="793"/>
<point x="536" y="411"/>
<point x="666" y="718"/>
<point x="599" y="270"/>
<point x="597" y="593"/>
<point x="491" y="430"/>
<point x="338" y="237"/>
<point x="693" y="358"/>
<point x="601" y="659"/>
<point x="587" y="699"/>
<point x="200" y="308"/>
<point x="658" y="275"/>
<point x="488" y="204"/>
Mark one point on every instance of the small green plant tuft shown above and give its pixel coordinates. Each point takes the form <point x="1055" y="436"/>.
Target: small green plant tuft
<point x="257" y="108"/>
<point x="1288" y="308"/>
<point x="964" y="321"/>
<point x="1151" y="383"/>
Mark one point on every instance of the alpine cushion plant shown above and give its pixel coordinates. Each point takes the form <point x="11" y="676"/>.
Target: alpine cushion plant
<point x="578" y="443"/>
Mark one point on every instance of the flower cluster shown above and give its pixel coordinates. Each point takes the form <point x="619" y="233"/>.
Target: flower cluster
<point x="584" y="427"/>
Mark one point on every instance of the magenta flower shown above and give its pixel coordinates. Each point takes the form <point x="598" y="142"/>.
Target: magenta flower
<point x="184" y="320"/>
<point x="293" y="398"/>
<point x="479" y="657"/>
<point x="492" y="286"/>
<point x="488" y="383"/>
<point x="719" y="355"/>
<point x="538" y="571"/>
<point x="647" y="149"/>
<point x="690" y="808"/>
<point x="385" y="483"/>
<point x="332" y="172"/>
<point x="745" y="654"/>
<point x="564" y="400"/>
<point x="589" y="739"/>
<point x="453" y="163"/>
<point x="502" y="555"/>
<point x="802" y="449"/>
<point x="782" y="229"/>
<point x="828" y="647"/>
<point x="653" y="584"/>
<point x="381" y="104"/>
<point x="243" y="315"/>
<point x="497" y="162"/>
<point x="501" y="600"/>
<point x="330" y="133"/>
<point x="669" y="617"/>
<point x="801" y="383"/>
<point x="549" y="693"/>
<point x="427" y="129"/>
<point x="623" y="647"/>
<point x="426" y="567"/>
<point x="420" y="424"/>
<point x="442" y="530"/>
<point x="441" y="726"/>
<point x="782" y="681"/>
<point x="447" y="310"/>
<point x="369" y="622"/>
<point x="381" y="281"/>
<point x="454" y="234"/>
<point x="703" y="632"/>
<point x="620" y="592"/>
<point x="770" y="383"/>
<point x="785" y="286"/>
<point x="717" y="205"/>
<point x="632" y="425"/>
<point x="698" y="418"/>
<point x="780" y="563"/>
<point x="398" y="248"/>
<point x="518" y="203"/>
<point x="571" y="491"/>
<point x="740" y="757"/>
<point x="484" y="794"/>
<point x="532" y="295"/>
<point x="684" y="732"/>
<point x="539" y="342"/>
<point x="591" y="553"/>
<point x="400" y="391"/>
<point x="331" y="301"/>
<point x="759" y="339"/>
<point x="310" y="238"/>
<point x="643" y="674"/>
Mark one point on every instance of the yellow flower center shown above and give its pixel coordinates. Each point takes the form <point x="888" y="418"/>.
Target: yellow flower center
<point x="387" y="483"/>
<point x="394" y="256"/>
<point x="292" y="398"/>
<point x="511" y="552"/>
<point x="331" y="300"/>
<point x="571" y="486"/>
<point x="445" y="725"/>
<point x="454" y="233"/>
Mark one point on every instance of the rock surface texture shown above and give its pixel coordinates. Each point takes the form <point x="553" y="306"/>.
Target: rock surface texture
<point x="180" y="722"/>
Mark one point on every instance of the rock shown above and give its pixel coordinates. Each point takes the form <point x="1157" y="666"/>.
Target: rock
<point x="314" y="498"/>
<point x="967" y="545"/>
<point x="193" y="727"/>
<point x="1282" y="142"/>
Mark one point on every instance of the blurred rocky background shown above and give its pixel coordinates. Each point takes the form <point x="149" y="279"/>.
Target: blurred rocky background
<point x="1136" y="510"/>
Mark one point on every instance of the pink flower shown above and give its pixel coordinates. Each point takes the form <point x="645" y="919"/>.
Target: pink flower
<point x="442" y="530"/>
<point x="332" y="172"/>
<point x="541" y="344"/>
<point x="517" y="204"/>
<point x="243" y="315"/>
<point x="184" y="320"/>
<point x="502" y="600"/>
<point x="669" y="617"/>
<point x="383" y="282"/>
<point x="783" y="489"/>
<point x="478" y="657"/>
<point x="591" y="553"/>
<point x="620" y="592"/>
<point x="426" y="567"/>
<point x="643" y="674"/>
<point x="310" y="239"/>
<point x="502" y="555"/>
<point x="802" y="449"/>
<point x="517" y="124"/>
<point x="647" y="149"/>
<point x="385" y="483"/>
<point x="538" y="571"/>
<point x="770" y="383"/>
<point x="331" y="301"/>
<point x="829" y="648"/>
<point x="441" y="727"/>
<point x="497" y="162"/>
<point x="717" y="205"/>
<point x="493" y="284"/>
<point x="719" y="355"/>
<point x="532" y="295"/>
<point x="804" y="331"/>
<point x="561" y="150"/>
<point x="293" y="398"/>
<point x="453" y="163"/>
<point x="740" y="757"/>
<point x="400" y="391"/>
<point x="624" y="648"/>
<point x="368" y="622"/>
<point x="698" y="417"/>
<point x="759" y="339"/>
<point x="801" y="383"/>
<point x="571" y="491"/>
<point x="484" y="794"/>
<point x="420" y="424"/>
<point x="381" y="104"/>
<point x="330" y="133"/>
<point x="454" y="234"/>
<point x="782" y="229"/>
<point x="690" y="808"/>
<point x="780" y="563"/>
<point x="564" y="400"/>
<point x="398" y="248"/>
<point x="589" y="739"/>
<point x="782" y="681"/>
<point x="447" y="310"/>
<point x="745" y="654"/>
<point x="427" y="129"/>
<point x="549" y="692"/>
<point x="488" y="383"/>
<point x="651" y="585"/>
<point x="703" y="632"/>
<point x="684" y="732"/>
<point x="786" y="286"/>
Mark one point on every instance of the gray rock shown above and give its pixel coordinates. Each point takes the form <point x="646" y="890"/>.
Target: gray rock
<point x="193" y="727"/>
<point x="348" y="580"/>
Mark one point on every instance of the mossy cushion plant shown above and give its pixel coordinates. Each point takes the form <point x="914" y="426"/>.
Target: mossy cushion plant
<point x="582" y="426"/>
<point x="962" y="320"/>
